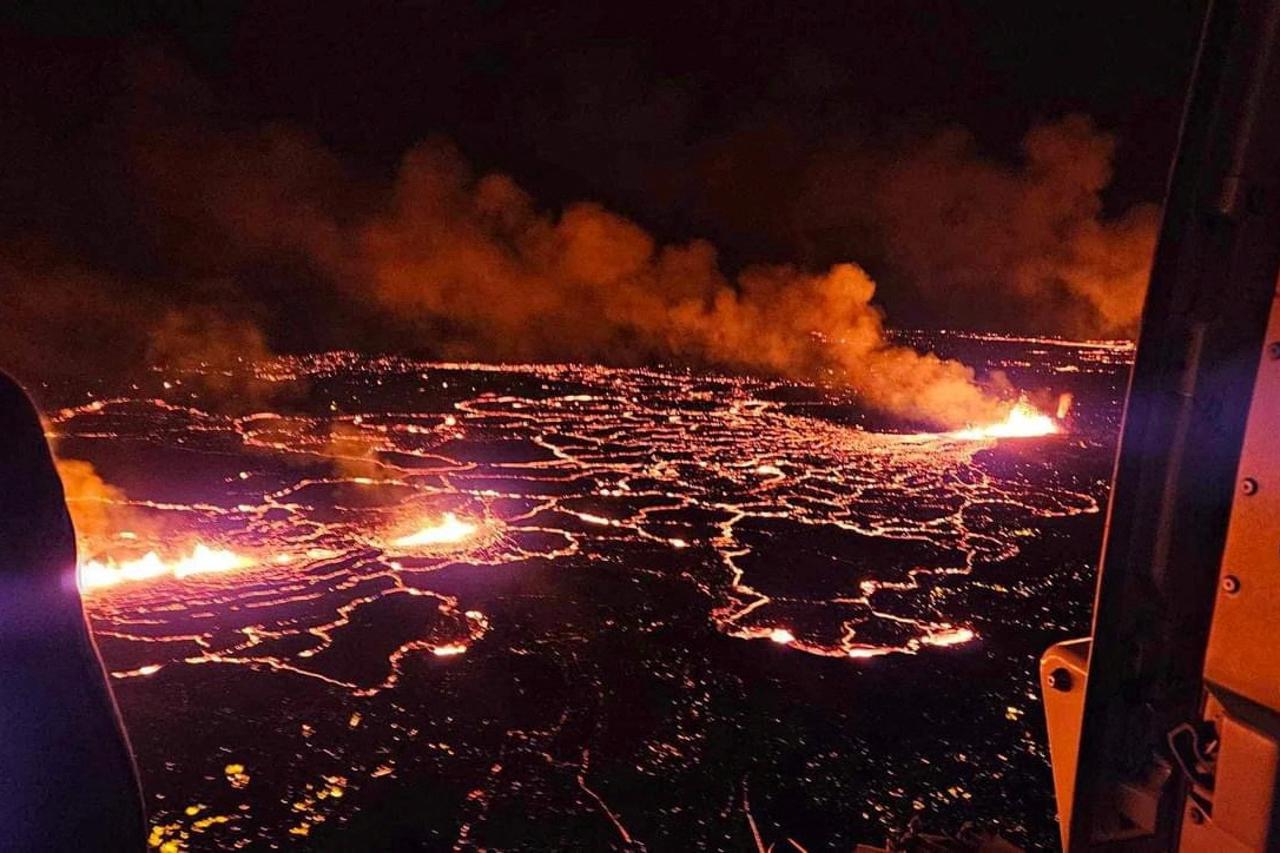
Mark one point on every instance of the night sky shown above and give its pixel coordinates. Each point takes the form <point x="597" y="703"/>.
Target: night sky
<point x="758" y="126"/>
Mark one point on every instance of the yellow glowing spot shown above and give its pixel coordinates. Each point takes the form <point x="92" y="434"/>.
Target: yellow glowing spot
<point x="678" y="543"/>
<point x="283" y="559"/>
<point x="94" y="574"/>
<point x="192" y="811"/>
<point x="866" y="652"/>
<point x="236" y="776"/>
<point x="1023" y="421"/>
<point x="769" y="470"/>
<point x="594" y="519"/>
<point x="450" y="420"/>
<point x="449" y="650"/>
<point x="355" y="720"/>
<point x="244" y="475"/>
<point x="782" y="636"/>
<point x="302" y="829"/>
<point x="206" y="822"/>
<point x="448" y="530"/>
<point x="149" y="669"/>
<point x="127" y="534"/>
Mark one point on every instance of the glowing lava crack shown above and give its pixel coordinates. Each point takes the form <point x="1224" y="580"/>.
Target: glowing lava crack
<point x="703" y="467"/>
<point x="421" y="519"/>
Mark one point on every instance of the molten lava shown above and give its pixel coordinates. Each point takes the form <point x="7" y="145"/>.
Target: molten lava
<point x="1023" y="421"/>
<point x="96" y="573"/>
<point x="449" y="530"/>
<point x="782" y="636"/>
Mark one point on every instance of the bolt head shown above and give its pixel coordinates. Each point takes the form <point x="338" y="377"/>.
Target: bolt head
<point x="1231" y="584"/>
<point x="1060" y="679"/>
<point x="1249" y="486"/>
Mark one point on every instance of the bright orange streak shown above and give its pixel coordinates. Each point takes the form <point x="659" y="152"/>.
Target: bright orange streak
<point x="949" y="637"/>
<point x="1024" y="421"/>
<point x="447" y="531"/>
<point x="95" y="574"/>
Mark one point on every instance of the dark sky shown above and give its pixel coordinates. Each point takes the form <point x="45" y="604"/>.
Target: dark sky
<point x="577" y="99"/>
<point x="693" y="119"/>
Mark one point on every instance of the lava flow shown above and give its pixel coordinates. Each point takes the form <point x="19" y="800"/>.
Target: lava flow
<point x="108" y="571"/>
<point x="411" y="518"/>
<point x="702" y="466"/>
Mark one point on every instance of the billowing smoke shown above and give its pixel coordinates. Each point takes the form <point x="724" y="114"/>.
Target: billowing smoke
<point x="215" y="353"/>
<point x="262" y="236"/>
<point x="63" y="320"/>
<point x="474" y="257"/>
<point x="99" y="510"/>
<point x="458" y="264"/>
<point x="1029" y="240"/>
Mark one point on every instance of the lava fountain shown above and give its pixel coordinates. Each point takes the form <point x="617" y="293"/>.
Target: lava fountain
<point x="1023" y="421"/>
<point x="97" y="573"/>
<point x="450" y="530"/>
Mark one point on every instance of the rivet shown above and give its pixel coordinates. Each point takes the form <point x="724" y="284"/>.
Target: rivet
<point x="1249" y="486"/>
<point x="1231" y="584"/>
<point x="1060" y="679"/>
<point x="1273" y="350"/>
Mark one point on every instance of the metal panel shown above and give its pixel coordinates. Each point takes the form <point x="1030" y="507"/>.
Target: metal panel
<point x="1244" y="643"/>
<point x="1212" y="285"/>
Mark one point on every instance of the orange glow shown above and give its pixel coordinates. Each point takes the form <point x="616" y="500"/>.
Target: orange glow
<point x="949" y="637"/>
<point x="782" y="636"/>
<point x="1023" y="421"/>
<point x="449" y="530"/>
<point x="450" y="650"/>
<point x="98" y="573"/>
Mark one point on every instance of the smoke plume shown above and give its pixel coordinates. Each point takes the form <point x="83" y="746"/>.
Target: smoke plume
<point x="1029" y="242"/>
<point x="99" y="510"/>
<point x="514" y="282"/>
<point x="467" y="265"/>
<point x="254" y="237"/>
